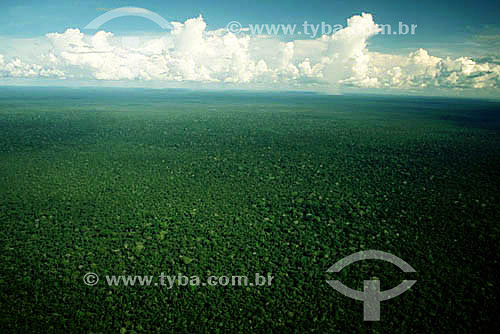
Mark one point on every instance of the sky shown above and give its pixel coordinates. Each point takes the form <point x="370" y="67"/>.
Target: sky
<point x="454" y="50"/>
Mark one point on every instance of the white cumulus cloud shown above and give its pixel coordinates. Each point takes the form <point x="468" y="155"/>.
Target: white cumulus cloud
<point x="191" y="53"/>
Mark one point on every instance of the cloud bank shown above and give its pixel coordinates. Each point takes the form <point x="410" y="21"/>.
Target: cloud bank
<point x="191" y="53"/>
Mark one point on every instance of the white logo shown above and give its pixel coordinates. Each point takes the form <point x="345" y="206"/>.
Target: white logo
<point x="371" y="294"/>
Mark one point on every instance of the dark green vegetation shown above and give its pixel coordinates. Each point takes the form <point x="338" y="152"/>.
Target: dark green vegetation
<point x="143" y="182"/>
